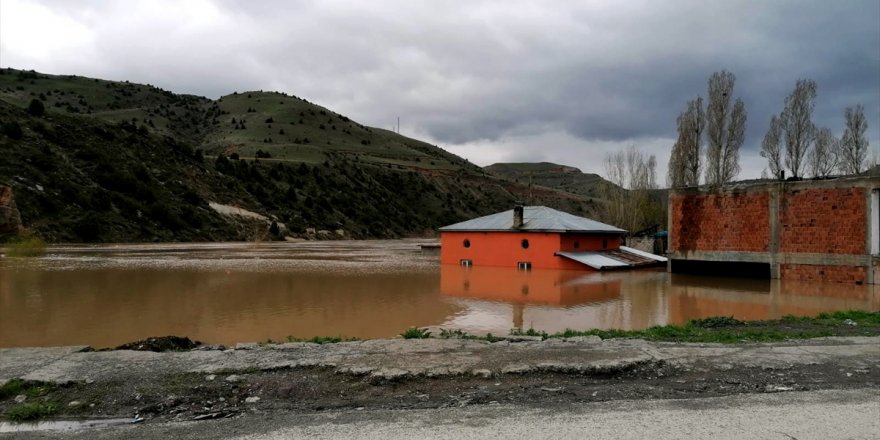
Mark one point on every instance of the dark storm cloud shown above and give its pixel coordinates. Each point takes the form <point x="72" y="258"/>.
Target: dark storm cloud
<point x="490" y="78"/>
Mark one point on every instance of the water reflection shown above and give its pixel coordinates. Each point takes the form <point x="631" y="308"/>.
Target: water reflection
<point x="498" y="299"/>
<point x="694" y="297"/>
<point x="550" y="287"/>
<point x="228" y="293"/>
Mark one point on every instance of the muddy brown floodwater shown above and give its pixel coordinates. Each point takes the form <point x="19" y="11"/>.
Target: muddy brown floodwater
<point x="243" y="292"/>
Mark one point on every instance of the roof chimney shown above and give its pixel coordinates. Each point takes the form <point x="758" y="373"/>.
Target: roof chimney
<point x="518" y="216"/>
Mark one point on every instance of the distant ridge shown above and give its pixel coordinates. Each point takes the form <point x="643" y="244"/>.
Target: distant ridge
<point x="552" y="175"/>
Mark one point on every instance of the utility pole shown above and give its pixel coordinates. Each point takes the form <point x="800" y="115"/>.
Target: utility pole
<point x="531" y="200"/>
<point x="398" y="125"/>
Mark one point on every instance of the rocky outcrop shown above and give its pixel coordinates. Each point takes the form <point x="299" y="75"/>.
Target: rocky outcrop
<point x="10" y="218"/>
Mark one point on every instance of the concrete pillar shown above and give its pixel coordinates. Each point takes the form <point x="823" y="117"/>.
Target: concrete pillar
<point x="669" y="228"/>
<point x="777" y="192"/>
<point x="872" y="229"/>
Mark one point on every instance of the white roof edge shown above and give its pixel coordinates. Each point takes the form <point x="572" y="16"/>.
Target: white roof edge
<point x="593" y="259"/>
<point x="574" y="231"/>
<point x="644" y="254"/>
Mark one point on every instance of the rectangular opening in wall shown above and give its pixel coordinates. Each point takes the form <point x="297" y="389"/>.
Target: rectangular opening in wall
<point x="875" y="222"/>
<point x="466" y="263"/>
<point x="524" y="265"/>
<point x="732" y="269"/>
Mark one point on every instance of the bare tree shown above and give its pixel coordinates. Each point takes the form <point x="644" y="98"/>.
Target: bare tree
<point x="695" y="121"/>
<point x="685" y="162"/>
<point x="633" y="175"/>
<point x="771" y="148"/>
<point x="797" y="124"/>
<point x="854" y="144"/>
<point x="823" y="157"/>
<point x="725" y="129"/>
<point x="675" y="173"/>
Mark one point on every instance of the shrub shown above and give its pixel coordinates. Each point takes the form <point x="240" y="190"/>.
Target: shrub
<point x="36" y="107"/>
<point x="416" y="333"/>
<point x="26" y="245"/>
<point x="88" y="228"/>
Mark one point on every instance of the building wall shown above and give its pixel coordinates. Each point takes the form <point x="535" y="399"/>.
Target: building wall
<point x="504" y="249"/>
<point x="809" y="230"/>
<point x="830" y="220"/>
<point x="815" y="272"/>
<point x="704" y="222"/>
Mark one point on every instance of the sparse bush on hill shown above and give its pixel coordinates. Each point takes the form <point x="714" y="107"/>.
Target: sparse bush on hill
<point x="36" y="108"/>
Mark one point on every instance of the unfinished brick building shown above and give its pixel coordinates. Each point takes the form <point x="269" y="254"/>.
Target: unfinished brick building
<point x="823" y="230"/>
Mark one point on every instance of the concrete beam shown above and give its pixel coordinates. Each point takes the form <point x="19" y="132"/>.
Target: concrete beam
<point x="856" y="260"/>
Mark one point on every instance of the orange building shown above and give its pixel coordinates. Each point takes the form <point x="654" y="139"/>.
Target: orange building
<point x="539" y="237"/>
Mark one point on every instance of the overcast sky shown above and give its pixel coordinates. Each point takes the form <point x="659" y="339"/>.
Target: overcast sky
<point x="492" y="81"/>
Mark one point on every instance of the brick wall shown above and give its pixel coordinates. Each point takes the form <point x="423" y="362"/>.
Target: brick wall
<point x="720" y="222"/>
<point x="837" y="274"/>
<point x="826" y="220"/>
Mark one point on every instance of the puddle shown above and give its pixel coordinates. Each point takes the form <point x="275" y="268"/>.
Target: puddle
<point x="60" y="425"/>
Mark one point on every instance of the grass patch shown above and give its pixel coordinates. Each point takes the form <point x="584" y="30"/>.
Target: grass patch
<point x="416" y="333"/>
<point x="31" y="411"/>
<point x="724" y="329"/>
<point x="858" y="316"/>
<point x="688" y="333"/>
<point x="26" y="245"/>
<point x="28" y="388"/>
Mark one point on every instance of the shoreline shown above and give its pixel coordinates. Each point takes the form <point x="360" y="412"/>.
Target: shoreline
<point x="64" y="383"/>
<point x="79" y="390"/>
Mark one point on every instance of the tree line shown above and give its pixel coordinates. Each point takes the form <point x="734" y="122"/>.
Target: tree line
<point x="792" y="142"/>
<point x="710" y="135"/>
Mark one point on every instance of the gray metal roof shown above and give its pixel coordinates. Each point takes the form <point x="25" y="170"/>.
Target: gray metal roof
<point x="535" y="219"/>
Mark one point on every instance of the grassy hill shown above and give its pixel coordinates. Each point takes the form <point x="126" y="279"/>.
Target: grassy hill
<point x="115" y="161"/>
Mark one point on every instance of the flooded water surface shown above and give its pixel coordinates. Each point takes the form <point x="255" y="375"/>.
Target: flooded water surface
<point x="226" y="293"/>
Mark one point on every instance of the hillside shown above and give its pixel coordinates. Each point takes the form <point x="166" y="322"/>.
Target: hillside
<point x="114" y="161"/>
<point x="551" y="175"/>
